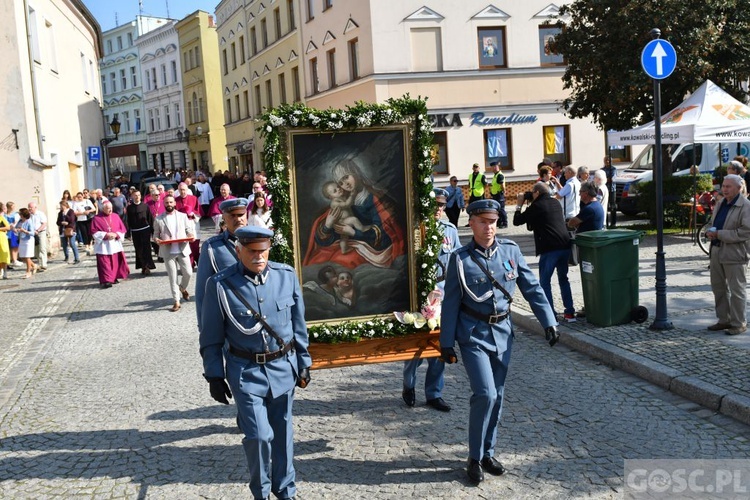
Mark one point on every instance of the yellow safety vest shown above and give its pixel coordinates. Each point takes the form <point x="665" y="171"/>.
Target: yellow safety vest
<point x="477" y="186"/>
<point x="498" y="187"/>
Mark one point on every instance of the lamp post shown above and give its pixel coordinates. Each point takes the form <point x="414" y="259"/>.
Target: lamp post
<point x="186" y="136"/>
<point x="114" y="126"/>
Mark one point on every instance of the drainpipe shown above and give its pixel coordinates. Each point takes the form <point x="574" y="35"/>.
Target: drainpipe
<point x="34" y="91"/>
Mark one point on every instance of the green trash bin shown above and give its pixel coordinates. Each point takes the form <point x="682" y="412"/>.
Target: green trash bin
<point x="609" y="276"/>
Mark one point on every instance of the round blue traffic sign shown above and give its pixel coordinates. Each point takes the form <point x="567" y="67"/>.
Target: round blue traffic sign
<point x="658" y="59"/>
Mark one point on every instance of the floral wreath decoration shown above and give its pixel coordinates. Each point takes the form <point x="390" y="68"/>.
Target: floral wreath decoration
<point x="404" y="110"/>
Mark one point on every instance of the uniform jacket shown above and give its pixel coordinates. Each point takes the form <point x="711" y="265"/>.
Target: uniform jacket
<point x="449" y="244"/>
<point x="735" y="235"/>
<point x="466" y="284"/>
<point x="185" y="229"/>
<point x="277" y="296"/>
<point x="217" y="254"/>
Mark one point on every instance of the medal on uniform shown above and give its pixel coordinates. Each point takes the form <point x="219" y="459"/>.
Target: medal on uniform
<point x="510" y="275"/>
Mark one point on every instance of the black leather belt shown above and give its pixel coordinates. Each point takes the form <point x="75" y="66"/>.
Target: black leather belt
<point x="261" y="357"/>
<point x="487" y="318"/>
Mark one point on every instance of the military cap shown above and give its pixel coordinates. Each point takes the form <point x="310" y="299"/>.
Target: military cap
<point x="441" y="195"/>
<point x="227" y="205"/>
<point x="258" y="237"/>
<point x="484" y="207"/>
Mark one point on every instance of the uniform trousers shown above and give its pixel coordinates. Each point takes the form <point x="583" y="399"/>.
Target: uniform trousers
<point x="186" y="270"/>
<point x="433" y="380"/>
<point x="266" y="423"/>
<point x="503" y="219"/>
<point x="40" y="250"/>
<point x="487" y="371"/>
<point x="728" y="283"/>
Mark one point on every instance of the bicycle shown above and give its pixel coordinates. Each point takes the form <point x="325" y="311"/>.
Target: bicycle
<point x="702" y="240"/>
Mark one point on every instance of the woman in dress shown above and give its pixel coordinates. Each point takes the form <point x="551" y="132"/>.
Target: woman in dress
<point x="66" y="221"/>
<point x="26" y="238"/>
<point x="259" y="214"/>
<point x="4" y="247"/>
<point x="12" y="216"/>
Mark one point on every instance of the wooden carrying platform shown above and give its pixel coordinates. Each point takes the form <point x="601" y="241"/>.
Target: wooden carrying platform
<point x="418" y="345"/>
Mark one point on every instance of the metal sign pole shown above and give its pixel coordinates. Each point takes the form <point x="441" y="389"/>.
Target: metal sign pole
<point x="660" y="321"/>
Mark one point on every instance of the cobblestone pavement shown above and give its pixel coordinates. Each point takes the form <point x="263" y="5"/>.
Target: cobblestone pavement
<point x="102" y="397"/>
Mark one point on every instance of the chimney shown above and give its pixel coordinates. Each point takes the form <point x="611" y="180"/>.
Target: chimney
<point x="211" y="21"/>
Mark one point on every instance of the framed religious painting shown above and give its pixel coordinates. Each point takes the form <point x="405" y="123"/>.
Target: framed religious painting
<point x="353" y="212"/>
<point x="353" y="223"/>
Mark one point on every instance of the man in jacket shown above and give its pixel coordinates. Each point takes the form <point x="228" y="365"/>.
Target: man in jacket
<point x="169" y="226"/>
<point x="552" y="242"/>
<point x="729" y="235"/>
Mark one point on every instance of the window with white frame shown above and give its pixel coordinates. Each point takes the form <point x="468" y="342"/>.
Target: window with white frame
<point x="133" y="77"/>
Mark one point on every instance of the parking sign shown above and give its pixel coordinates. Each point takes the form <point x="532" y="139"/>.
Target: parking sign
<point x="95" y="153"/>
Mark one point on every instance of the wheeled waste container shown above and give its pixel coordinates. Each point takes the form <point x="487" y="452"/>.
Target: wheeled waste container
<point x="609" y="276"/>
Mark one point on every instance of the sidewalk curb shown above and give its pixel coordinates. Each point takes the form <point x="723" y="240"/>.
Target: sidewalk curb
<point x="736" y="406"/>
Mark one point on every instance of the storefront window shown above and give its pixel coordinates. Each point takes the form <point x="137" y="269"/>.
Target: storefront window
<point x="557" y="143"/>
<point x="440" y="153"/>
<point x="497" y="147"/>
<point x="620" y="154"/>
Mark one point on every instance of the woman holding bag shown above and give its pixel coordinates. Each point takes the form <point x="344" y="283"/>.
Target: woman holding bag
<point x="66" y="221"/>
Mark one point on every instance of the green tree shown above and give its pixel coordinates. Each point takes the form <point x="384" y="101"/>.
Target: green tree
<point x="602" y="41"/>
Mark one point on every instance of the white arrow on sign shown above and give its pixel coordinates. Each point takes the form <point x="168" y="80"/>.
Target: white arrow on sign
<point x="659" y="54"/>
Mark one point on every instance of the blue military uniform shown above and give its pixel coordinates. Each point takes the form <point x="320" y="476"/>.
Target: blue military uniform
<point x="218" y="252"/>
<point x="261" y="371"/>
<point x="434" y="381"/>
<point x="476" y="315"/>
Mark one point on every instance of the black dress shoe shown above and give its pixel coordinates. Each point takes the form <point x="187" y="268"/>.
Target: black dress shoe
<point x="474" y="471"/>
<point x="410" y="397"/>
<point x="491" y="465"/>
<point x="439" y="404"/>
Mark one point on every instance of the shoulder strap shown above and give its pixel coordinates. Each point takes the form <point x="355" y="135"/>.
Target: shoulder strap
<point x="256" y="314"/>
<point x="491" y="278"/>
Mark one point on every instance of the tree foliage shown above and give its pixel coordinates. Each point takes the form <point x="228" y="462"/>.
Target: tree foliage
<point x="602" y="41"/>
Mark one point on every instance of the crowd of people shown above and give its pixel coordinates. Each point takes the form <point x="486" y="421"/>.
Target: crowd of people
<point x="86" y="222"/>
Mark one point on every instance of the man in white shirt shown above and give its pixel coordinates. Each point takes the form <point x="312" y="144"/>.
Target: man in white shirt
<point x="39" y="221"/>
<point x="174" y="225"/>
<point x="569" y="194"/>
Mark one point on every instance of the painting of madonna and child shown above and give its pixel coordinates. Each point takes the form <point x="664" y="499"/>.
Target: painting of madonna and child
<point x="352" y="204"/>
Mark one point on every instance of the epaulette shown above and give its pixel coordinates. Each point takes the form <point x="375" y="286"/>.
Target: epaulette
<point x="281" y="267"/>
<point x="215" y="238"/>
<point x="224" y="273"/>
<point x="447" y="224"/>
<point x="502" y="241"/>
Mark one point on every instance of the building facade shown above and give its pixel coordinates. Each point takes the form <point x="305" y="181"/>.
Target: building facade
<point x="161" y="66"/>
<point x="202" y="92"/>
<point x="50" y="104"/>
<point x="231" y="26"/>
<point x="494" y="87"/>
<point x="121" y="82"/>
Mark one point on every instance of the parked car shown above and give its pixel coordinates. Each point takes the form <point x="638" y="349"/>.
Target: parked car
<point x="139" y="175"/>
<point x="145" y="183"/>
<point x="707" y="156"/>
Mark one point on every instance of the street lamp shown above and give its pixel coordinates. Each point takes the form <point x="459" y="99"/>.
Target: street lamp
<point x="114" y="126"/>
<point x="183" y="135"/>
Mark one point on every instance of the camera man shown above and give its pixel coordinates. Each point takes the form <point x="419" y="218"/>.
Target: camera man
<point x="544" y="216"/>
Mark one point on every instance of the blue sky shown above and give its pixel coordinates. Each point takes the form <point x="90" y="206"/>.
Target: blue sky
<point x="104" y="10"/>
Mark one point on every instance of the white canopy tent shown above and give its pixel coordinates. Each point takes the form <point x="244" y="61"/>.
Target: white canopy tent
<point x="708" y="115"/>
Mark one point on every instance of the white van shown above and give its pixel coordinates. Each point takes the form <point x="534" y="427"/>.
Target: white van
<point x="707" y="156"/>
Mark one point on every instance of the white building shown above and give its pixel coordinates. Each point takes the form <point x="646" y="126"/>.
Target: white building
<point x="49" y="104"/>
<point x="494" y="89"/>
<point x="122" y="91"/>
<point x="162" y="97"/>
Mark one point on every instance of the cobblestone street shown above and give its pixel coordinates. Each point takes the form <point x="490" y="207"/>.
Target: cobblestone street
<point x="102" y="397"/>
